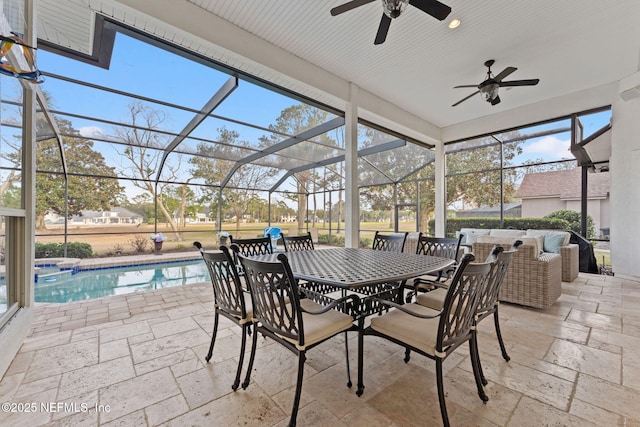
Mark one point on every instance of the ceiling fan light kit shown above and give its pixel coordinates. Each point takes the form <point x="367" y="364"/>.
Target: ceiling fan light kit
<point x="392" y="9"/>
<point x="488" y="89"/>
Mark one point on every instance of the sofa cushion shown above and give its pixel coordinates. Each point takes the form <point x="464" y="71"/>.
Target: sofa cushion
<point x="553" y="239"/>
<point x="503" y="232"/>
<point x="553" y="242"/>
<point x="530" y="241"/>
<point x="469" y="235"/>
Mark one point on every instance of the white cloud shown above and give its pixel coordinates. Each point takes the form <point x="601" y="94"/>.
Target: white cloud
<point x="92" y="132"/>
<point x="549" y="147"/>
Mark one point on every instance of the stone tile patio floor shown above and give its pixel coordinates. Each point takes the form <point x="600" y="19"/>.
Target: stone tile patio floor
<point x="140" y="358"/>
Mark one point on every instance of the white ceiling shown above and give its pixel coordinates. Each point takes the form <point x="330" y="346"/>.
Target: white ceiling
<point x="572" y="46"/>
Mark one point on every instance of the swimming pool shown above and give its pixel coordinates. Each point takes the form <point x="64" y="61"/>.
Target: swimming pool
<point x="118" y="281"/>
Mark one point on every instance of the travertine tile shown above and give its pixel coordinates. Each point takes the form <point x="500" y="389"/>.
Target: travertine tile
<point x="114" y="349"/>
<point x="533" y="413"/>
<point x="166" y="345"/>
<point x="62" y="358"/>
<point x="173" y="327"/>
<point x="594" y="414"/>
<point x="612" y="397"/>
<point x="166" y="410"/>
<point x="575" y="363"/>
<point x="233" y="409"/>
<point x="137" y="393"/>
<point x="123" y="331"/>
<point x="591" y="361"/>
<point x="95" y="377"/>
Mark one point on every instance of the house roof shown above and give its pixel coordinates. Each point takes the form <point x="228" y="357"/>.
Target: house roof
<point x="564" y="184"/>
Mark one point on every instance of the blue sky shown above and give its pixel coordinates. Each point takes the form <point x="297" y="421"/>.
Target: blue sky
<point x="152" y="72"/>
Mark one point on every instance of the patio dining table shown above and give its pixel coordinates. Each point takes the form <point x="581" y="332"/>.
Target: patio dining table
<point x="372" y="274"/>
<point x="355" y="269"/>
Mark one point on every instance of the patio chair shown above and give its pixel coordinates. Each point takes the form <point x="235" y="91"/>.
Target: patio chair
<point x="297" y="324"/>
<point x="392" y="242"/>
<point x="231" y="301"/>
<point x="487" y="300"/>
<point x="298" y="243"/>
<point x="445" y="247"/>
<point x="435" y="334"/>
<point x="249" y="247"/>
<point x="253" y="246"/>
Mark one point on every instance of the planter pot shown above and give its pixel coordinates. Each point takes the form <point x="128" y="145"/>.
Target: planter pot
<point x="223" y="241"/>
<point x="157" y="247"/>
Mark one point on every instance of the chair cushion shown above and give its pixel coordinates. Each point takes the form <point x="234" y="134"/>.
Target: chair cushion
<point x="248" y="307"/>
<point x="417" y="332"/>
<point x="318" y="327"/>
<point x="433" y="299"/>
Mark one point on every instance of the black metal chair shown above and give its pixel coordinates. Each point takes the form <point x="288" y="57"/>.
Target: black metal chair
<point x="445" y="247"/>
<point x="231" y="301"/>
<point x="253" y="246"/>
<point x="435" y="334"/>
<point x="297" y="324"/>
<point x="488" y="297"/>
<point x="392" y="242"/>
<point x="249" y="247"/>
<point x="298" y="243"/>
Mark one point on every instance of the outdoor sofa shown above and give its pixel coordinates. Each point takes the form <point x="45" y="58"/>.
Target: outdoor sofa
<point x="537" y="270"/>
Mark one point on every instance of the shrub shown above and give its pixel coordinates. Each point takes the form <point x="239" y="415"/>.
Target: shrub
<point x="574" y="219"/>
<point x="139" y="243"/>
<point x="56" y="250"/>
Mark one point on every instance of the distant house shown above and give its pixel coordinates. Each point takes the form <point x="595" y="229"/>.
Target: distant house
<point x="115" y="216"/>
<point x="511" y="210"/>
<point x="546" y="192"/>
<point x="288" y="218"/>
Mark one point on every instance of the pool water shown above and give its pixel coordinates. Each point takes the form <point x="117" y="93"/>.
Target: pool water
<point x="118" y="281"/>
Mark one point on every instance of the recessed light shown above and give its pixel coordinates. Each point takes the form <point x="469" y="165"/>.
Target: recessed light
<point x="455" y="23"/>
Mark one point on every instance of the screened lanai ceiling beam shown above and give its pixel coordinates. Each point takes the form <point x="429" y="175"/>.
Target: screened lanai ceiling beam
<point x="308" y="134"/>
<point x="42" y="100"/>
<point x="405" y="176"/>
<point x="397" y="143"/>
<point x="225" y="90"/>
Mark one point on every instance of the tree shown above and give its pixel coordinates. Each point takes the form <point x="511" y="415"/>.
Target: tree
<point x="213" y="163"/>
<point x="390" y="167"/>
<point x="144" y="151"/>
<point x="293" y="121"/>
<point x="483" y="186"/>
<point x="92" y="184"/>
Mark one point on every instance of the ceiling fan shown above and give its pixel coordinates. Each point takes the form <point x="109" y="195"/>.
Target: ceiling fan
<point x="392" y="9"/>
<point x="489" y="87"/>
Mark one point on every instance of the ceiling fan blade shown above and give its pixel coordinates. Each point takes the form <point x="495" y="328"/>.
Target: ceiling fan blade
<point x="465" y="98"/>
<point x="383" y="29"/>
<point x="432" y="7"/>
<point x="504" y="73"/>
<point x="455" y="87"/>
<point x="495" y="100"/>
<point x="348" y="6"/>
<point x="530" y="82"/>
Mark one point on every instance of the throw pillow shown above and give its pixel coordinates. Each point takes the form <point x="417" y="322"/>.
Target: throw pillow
<point x="553" y="242"/>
